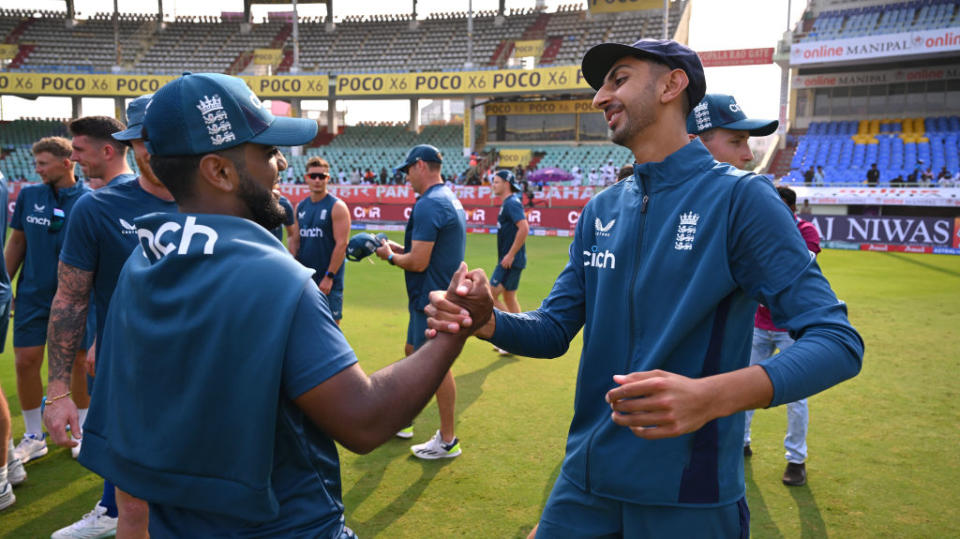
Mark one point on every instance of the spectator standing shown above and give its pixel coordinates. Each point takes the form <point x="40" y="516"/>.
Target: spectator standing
<point x="873" y="175"/>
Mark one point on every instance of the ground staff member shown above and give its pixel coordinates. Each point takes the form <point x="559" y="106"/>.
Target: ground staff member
<point x="38" y="220"/>
<point x="267" y="377"/>
<point x="664" y="276"/>
<point x="434" y="244"/>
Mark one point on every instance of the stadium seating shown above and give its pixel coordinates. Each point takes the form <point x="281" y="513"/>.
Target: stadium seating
<point x="888" y="18"/>
<point x="379" y="43"/>
<point x="846" y="149"/>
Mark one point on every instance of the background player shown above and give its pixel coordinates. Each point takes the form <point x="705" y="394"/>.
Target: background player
<point x="323" y="227"/>
<point x="434" y="243"/>
<point x="724" y="129"/>
<point x="38" y="221"/>
<point x="512" y="230"/>
<point x="98" y="242"/>
<point x="267" y="366"/>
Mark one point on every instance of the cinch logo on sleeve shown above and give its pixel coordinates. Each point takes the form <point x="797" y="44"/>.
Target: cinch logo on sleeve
<point x="154" y="241"/>
<point x="603" y="230"/>
<point x="599" y="259"/>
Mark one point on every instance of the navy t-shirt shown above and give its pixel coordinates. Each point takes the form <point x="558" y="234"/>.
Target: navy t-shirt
<point x="511" y="212"/>
<point x="437" y="217"/>
<point x="101" y="235"/>
<point x="306" y="467"/>
<point x="34" y="213"/>
<point x="316" y="237"/>
<point x="288" y="221"/>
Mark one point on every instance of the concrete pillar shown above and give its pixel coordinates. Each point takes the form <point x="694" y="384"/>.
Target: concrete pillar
<point x="414" y="124"/>
<point x="76" y="106"/>
<point x="120" y="109"/>
<point x="332" y="116"/>
<point x="295" y="111"/>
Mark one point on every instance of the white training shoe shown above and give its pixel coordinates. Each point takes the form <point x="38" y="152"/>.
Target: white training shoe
<point x="16" y="473"/>
<point x="75" y="451"/>
<point x="6" y="495"/>
<point x="93" y="525"/>
<point x="406" y="433"/>
<point x="436" y="448"/>
<point x="31" y="447"/>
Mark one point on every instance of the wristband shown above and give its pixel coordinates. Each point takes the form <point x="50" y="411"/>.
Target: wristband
<point x="330" y="274"/>
<point x="390" y="260"/>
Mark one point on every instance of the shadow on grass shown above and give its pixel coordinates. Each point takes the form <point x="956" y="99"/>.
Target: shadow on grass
<point x="470" y="385"/>
<point x="39" y="525"/>
<point x="925" y="265"/>
<point x="549" y="486"/>
<point x="761" y="525"/>
<point x="811" y="521"/>
<point x="401" y="504"/>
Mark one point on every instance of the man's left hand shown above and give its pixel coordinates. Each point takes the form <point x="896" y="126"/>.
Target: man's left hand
<point x="507" y="261"/>
<point x="659" y="404"/>
<point x="325" y="285"/>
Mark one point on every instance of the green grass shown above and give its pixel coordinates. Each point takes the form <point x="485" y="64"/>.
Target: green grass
<point x="883" y="447"/>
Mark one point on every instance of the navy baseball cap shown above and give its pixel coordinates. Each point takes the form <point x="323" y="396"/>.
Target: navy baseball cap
<point x="420" y="152"/>
<point x="600" y="58"/>
<point x="721" y="110"/>
<point x="136" y="110"/>
<point x="206" y="112"/>
<point x="509" y="177"/>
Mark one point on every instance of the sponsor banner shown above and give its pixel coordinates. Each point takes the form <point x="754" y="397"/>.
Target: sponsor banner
<point x="9" y="51"/>
<point x="617" y="6"/>
<point x="956" y="232"/>
<point x="540" y="107"/>
<point x="512" y="158"/>
<point x="925" y="231"/>
<point x="880" y="196"/>
<point x="946" y="251"/>
<point x="502" y="81"/>
<point x="134" y="85"/>
<point x="267" y="56"/>
<point x="846" y="246"/>
<point x="876" y="46"/>
<point x="885" y="248"/>
<point x="478" y="217"/>
<point x="865" y="78"/>
<point x="522" y="49"/>
<point x="736" y="57"/>
<point x="481" y="195"/>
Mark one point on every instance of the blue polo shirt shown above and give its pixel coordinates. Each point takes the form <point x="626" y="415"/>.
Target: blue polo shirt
<point x="511" y="213"/>
<point x="101" y="235"/>
<point x="33" y="213"/>
<point x="288" y="221"/>
<point x="437" y="217"/>
<point x="316" y="237"/>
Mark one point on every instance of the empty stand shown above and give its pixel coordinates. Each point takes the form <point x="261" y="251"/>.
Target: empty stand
<point x="881" y="19"/>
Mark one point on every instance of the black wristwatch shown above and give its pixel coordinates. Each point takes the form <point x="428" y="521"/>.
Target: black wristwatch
<point x="330" y="274"/>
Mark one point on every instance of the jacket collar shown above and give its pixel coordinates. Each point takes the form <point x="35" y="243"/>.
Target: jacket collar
<point x="677" y="168"/>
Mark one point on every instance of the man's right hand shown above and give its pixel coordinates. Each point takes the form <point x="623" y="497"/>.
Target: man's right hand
<point x="466" y="305"/>
<point x="60" y="413"/>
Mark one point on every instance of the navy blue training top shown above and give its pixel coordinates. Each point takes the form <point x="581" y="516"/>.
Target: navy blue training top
<point x="288" y="221"/>
<point x="315" y="220"/>
<point x="511" y="213"/>
<point x="437" y="217"/>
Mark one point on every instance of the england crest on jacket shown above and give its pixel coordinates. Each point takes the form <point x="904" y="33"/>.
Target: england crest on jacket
<point x="686" y="231"/>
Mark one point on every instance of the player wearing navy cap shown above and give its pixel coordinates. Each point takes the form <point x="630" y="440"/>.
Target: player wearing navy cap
<point x="38" y="220"/>
<point x="434" y="243"/>
<point x="723" y="127"/>
<point x="512" y="230"/>
<point x="665" y="272"/>
<point x="323" y="227"/>
<point x="98" y="241"/>
<point x="235" y="332"/>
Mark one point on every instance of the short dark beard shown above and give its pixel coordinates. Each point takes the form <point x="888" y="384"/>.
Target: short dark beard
<point x="264" y="208"/>
<point x="635" y="126"/>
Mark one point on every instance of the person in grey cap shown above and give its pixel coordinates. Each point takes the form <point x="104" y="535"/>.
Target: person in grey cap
<point x="723" y="127"/>
<point x="665" y="271"/>
<point x="95" y="248"/>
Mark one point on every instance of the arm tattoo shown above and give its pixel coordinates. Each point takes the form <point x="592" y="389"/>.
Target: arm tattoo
<point x="68" y="320"/>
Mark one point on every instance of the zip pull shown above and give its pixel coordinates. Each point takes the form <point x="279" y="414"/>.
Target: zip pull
<point x="643" y="204"/>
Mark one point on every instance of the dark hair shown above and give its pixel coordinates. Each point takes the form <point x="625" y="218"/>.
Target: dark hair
<point x="707" y="135"/>
<point x="178" y="173"/>
<point x="787" y="195"/>
<point x="433" y="167"/>
<point x="99" y="128"/>
<point x="625" y="172"/>
<point x="56" y="146"/>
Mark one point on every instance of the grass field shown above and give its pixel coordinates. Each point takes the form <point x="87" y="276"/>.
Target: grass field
<point x="883" y="447"/>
